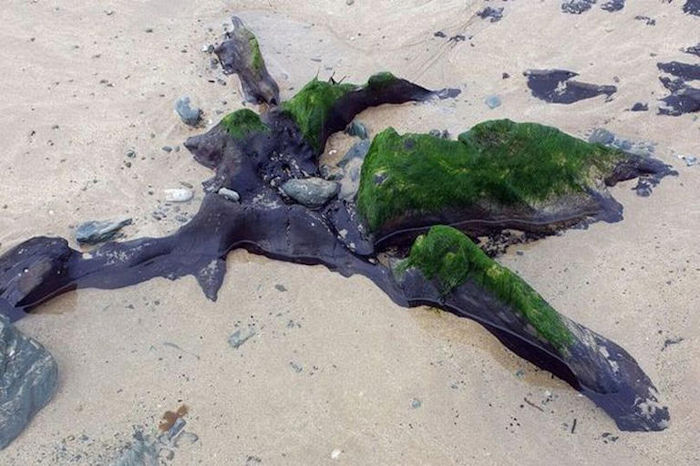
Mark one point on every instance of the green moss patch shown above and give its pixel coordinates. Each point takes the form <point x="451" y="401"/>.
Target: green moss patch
<point x="450" y="257"/>
<point x="241" y="123"/>
<point x="311" y="106"/>
<point x="257" y="62"/>
<point x="496" y="161"/>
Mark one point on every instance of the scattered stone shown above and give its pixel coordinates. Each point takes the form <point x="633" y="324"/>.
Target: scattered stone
<point x="297" y="367"/>
<point x="613" y="5"/>
<point x="505" y="76"/>
<point x="444" y="134"/>
<point x="229" y="194"/>
<point x="167" y="149"/>
<point x="189" y="115"/>
<point x="149" y="30"/>
<point x="178" y="195"/>
<point x="335" y="454"/>
<point x="131" y="153"/>
<point x="311" y="192"/>
<point x="140" y="453"/>
<point x="690" y="160"/>
<point x="576" y="7"/>
<point x="605" y="137"/>
<point x="176" y="428"/>
<point x="671" y="341"/>
<point x="186" y="438"/>
<point x="440" y="34"/>
<point x="357" y="129"/>
<point x="639" y="107"/>
<point x="28" y="378"/>
<point x="349" y="2"/>
<point x="95" y="232"/>
<point x="240" y="336"/>
<point x="495" y="14"/>
<point x="647" y="20"/>
<point x="493" y="101"/>
<point x="416" y="403"/>
<point x="280" y="287"/>
<point x="357" y="152"/>
<point x="693" y="50"/>
<point x="601" y="136"/>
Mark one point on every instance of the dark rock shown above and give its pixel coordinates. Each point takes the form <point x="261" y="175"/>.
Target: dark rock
<point x="640" y="107"/>
<point x="613" y="5"/>
<point x="495" y="14"/>
<point x="683" y="98"/>
<point x="647" y="20"/>
<point x="576" y="7"/>
<point x="692" y="7"/>
<point x="95" y="232"/>
<point x="28" y="378"/>
<point x="556" y="86"/>
<point x="357" y="129"/>
<point x="311" y="192"/>
<point x="189" y="115"/>
<point x="440" y="34"/>
<point x="685" y="71"/>
<point x="695" y="49"/>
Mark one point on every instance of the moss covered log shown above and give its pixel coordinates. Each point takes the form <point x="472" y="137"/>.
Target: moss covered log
<point x="451" y="258"/>
<point x="499" y="161"/>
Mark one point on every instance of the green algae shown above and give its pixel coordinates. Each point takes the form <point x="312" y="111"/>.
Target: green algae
<point x="499" y="161"/>
<point x="381" y="79"/>
<point x="311" y="106"/>
<point x="257" y="62"/>
<point x="242" y="123"/>
<point x="450" y="257"/>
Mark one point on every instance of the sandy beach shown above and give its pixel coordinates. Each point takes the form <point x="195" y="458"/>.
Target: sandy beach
<point x="336" y="372"/>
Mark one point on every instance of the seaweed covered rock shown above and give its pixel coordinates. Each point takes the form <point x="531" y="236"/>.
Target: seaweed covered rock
<point x="499" y="174"/>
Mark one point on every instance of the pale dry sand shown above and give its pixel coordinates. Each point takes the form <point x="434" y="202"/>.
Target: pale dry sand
<point x="363" y="360"/>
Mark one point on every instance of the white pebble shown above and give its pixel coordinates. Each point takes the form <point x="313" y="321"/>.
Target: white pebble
<point x="229" y="194"/>
<point x="335" y="454"/>
<point x="178" y="195"/>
